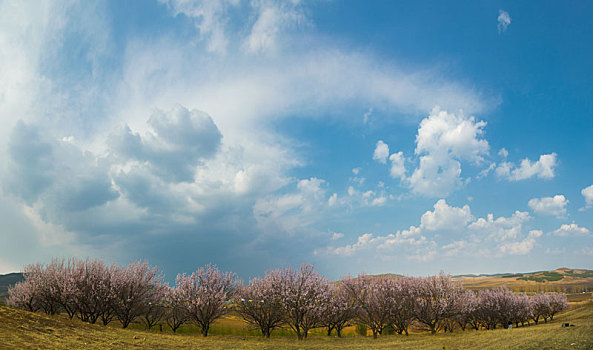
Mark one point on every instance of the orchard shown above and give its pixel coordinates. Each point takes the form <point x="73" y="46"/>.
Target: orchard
<point x="299" y="299"/>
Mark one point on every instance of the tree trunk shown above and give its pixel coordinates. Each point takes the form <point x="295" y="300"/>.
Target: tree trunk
<point x="205" y="329"/>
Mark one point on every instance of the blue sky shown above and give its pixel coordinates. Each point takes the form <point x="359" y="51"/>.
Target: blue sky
<point x="404" y="137"/>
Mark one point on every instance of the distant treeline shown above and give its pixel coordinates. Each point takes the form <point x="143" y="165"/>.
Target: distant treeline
<point x="301" y="299"/>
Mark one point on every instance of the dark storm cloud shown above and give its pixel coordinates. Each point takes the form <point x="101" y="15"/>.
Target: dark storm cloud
<point x="32" y="163"/>
<point x="55" y="173"/>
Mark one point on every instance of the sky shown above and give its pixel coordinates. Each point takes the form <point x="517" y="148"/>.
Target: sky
<point x="378" y="137"/>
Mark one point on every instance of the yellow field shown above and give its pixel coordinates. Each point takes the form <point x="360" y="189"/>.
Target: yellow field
<point x="560" y="280"/>
<point x="25" y="330"/>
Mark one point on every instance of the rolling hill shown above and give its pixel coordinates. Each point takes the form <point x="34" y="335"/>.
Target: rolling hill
<point x="559" y="280"/>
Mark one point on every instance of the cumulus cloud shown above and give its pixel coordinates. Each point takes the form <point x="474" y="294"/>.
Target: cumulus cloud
<point x="455" y="135"/>
<point x="445" y="217"/>
<point x="443" y="140"/>
<point x="567" y="230"/>
<point x="175" y="145"/>
<point x="543" y="168"/>
<point x="413" y="241"/>
<point x="504" y="20"/>
<point x="55" y="173"/>
<point x="357" y="197"/>
<point x="500" y="229"/>
<point x="522" y="247"/>
<point x="489" y="237"/>
<point x="398" y="168"/>
<point x="587" y="193"/>
<point x="549" y="205"/>
<point x="416" y="248"/>
<point x="381" y="152"/>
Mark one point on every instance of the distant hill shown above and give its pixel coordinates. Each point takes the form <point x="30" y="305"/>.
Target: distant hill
<point x="561" y="280"/>
<point x="6" y="281"/>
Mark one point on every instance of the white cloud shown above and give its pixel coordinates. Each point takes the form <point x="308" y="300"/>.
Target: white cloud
<point x="337" y="235"/>
<point x="443" y="140"/>
<point x="484" y="237"/>
<point x="587" y="193"/>
<point x="415" y="248"/>
<point x="522" y="247"/>
<point x="484" y="172"/>
<point x="381" y="152"/>
<point x="457" y="135"/>
<point x="500" y="229"/>
<point x="177" y="142"/>
<point x="543" y="168"/>
<point x="366" y="198"/>
<point x="454" y="248"/>
<point x="272" y="19"/>
<point x="367" y="115"/>
<point x="332" y="200"/>
<point x="267" y="21"/>
<point x="549" y="205"/>
<point x="291" y="212"/>
<point x="436" y="176"/>
<point x="209" y="17"/>
<point x="504" y="20"/>
<point x="445" y="217"/>
<point x="379" y="201"/>
<point x="503" y="153"/>
<point x="567" y="230"/>
<point x="413" y="240"/>
<point x="398" y="168"/>
<point x="556" y="251"/>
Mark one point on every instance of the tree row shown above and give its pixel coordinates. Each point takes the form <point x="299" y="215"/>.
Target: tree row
<point x="301" y="299"/>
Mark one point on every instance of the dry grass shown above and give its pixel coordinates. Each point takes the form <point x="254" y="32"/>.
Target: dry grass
<point x="25" y="330"/>
<point x="569" y="281"/>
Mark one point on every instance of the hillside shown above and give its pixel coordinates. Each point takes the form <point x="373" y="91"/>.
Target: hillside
<point x="26" y="330"/>
<point x="560" y="280"/>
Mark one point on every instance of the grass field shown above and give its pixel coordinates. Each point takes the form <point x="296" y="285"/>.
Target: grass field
<point x="26" y="330"/>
